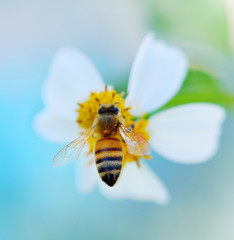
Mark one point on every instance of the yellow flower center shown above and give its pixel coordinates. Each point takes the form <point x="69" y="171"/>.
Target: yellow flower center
<point x="88" y="110"/>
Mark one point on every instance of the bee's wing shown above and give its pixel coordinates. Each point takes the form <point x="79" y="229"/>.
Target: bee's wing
<point x="137" y="145"/>
<point x="72" y="150"/>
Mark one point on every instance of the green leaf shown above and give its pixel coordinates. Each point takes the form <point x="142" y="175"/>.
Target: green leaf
<point x="201" y="87"/>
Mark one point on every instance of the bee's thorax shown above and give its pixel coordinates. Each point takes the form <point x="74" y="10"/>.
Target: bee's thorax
<point x="107" y="125"/>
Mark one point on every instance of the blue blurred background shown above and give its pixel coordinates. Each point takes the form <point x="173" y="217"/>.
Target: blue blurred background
<point x="40" y="202"/>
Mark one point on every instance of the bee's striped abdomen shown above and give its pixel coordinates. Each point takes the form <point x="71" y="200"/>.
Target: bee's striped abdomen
<point x="109" y="155"/>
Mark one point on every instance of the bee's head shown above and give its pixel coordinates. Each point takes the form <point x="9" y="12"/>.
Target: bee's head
<point x="108" y="109"/>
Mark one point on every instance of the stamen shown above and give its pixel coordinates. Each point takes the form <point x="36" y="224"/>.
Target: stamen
<point x="128" y="108"/>
<point x="137" y="163"/>
<point x="81" y="105"/>
<point x="97" y="99"/>
<point x="106" y="88"/>
<point x="147" y="157"/>
<point x="113" y="94"/>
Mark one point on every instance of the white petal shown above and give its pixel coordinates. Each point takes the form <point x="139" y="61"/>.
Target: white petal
<point x="72" y="77"/>
<point x="188" y="133"/>
<point x="55" y="128"/>
<point x="137" y="184"/>
<point x="87" y="176"/>
<point x="157" y="75"/>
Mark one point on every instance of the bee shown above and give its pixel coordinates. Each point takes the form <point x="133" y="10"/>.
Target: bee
<point x="110" y="134"/>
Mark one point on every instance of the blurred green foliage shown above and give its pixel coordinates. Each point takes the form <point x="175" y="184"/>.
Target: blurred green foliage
<point x="201" y="87"/>
<point x="201" y="21"/>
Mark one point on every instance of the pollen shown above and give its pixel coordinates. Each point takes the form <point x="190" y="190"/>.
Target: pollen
<point x="88" y="110"/>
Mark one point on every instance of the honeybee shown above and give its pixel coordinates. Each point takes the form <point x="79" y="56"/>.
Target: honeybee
<point x="110" y="134"/>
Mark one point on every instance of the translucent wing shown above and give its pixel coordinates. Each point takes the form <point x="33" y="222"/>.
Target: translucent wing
<point x="137" y="145"/>
<point x="72" y="150"/>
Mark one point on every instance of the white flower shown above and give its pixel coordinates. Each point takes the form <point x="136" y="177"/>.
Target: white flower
<point x="186" y="134"/>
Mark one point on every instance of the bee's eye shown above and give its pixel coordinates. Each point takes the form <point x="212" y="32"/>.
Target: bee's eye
<point x="114" y="109"/>
<point x="101" y="110"/>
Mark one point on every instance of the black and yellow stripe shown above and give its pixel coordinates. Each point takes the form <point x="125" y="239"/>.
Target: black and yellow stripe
<point x="109" y="155"/>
